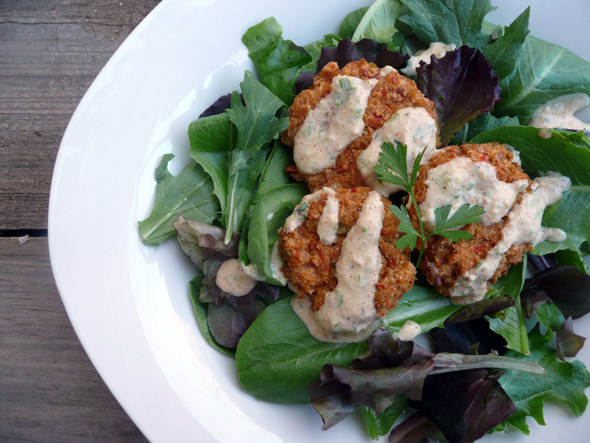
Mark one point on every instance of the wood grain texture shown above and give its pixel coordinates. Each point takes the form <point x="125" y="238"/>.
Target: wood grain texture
<point x="50" y="51"/>
<point x="49" y="390"/>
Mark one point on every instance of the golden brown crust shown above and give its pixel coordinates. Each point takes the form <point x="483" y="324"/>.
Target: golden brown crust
<point x="444" y="261"/>
<point x="392" y="93"/>
<point x="310" y="265"/>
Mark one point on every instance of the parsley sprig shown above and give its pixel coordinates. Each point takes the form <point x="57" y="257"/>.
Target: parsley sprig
<point x="393" y="168"/>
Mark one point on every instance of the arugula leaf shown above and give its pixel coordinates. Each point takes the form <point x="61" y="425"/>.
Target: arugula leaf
<point x="277" y="61"/>
<point x="465" y="215"/>
<point x="190" y="192"/>
<point x="211" y="139"/>
<point x="255" y="121"/>
<point x="380" y="424"/>
<point x="543" y="71"/>
<point x="450" y="21"/>
<point x="503" y="52"/>
<point x="563" y="381"/>
<point x="256" y="124"/>
<point x="510" y="322"/>
<point x="378" y="23"/>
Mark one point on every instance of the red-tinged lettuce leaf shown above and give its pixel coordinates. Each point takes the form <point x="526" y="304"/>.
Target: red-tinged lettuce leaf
<point x="349" y="51"/>
<point x="363" y="384"/>
<point x="563" y="382"/>
<point x="466" y="337"/>
<point x="479" y="309"/>
<point x="566" y="286"/>
<point x="568" y="343"/>
<point x="415" y="428"/>
<point x="462" y="85"/>
<point x="465" y="405"/>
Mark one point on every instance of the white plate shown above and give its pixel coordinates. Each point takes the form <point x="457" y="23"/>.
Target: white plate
<point x="129" y="303"/>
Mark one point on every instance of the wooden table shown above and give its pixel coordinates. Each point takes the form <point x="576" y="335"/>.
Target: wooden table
<point x="50" y="51"/>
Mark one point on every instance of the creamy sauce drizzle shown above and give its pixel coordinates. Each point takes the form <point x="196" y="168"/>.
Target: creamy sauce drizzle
<point x="335" y="122"/>
<point x="462" y="181"/>
<point x="232" y="279"/>
<point x="438" y="49"/>
<point x="328" y="223"/>
<point x="299" y="214"/>
<point x="415" y="128"/>
<point x="348" y="313"/>
<point x="523" y="226"/>
<point x="559" y="113"/>
<point x="409" y="331"/>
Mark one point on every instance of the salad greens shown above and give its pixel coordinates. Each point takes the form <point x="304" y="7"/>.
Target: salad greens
<point x="234" y="195"/>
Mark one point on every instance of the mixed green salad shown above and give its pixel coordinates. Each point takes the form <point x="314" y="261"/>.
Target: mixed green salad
<point x="494" y="362"/>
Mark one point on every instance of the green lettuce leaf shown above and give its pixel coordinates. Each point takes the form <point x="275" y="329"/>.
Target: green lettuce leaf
<point x="351" y="22"/>
<point x="380" y="424"/>
<point x="543" y="71"/>
<point x="510" y="322"/>
<point x="563" y="382"/>
<point x="189" y="193"/>
<point x="482" y="123"/>
<point x="449" y="21"/>
<point x="277" y="61"/>
<point x="378" y="23"/>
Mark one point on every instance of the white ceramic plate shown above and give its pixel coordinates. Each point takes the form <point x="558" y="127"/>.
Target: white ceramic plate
<point x="129" y="303"/>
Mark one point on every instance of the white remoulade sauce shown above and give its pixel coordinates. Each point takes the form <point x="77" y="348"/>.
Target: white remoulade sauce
<point x="559" y="113"/>
<point x="438" y="49"/>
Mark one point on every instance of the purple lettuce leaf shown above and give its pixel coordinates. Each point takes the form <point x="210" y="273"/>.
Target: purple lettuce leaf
<point x="464" y="406"/>
<point x="343" y="388"/>
<point x="565" y="286"/>
<point x="480" y="309"/>
<point x="462" y="85"/>
<point x="349" y="51"/>
<point x="468" y="337"/>
<point x="415" y="428"/>
<point x="568" y="343"/>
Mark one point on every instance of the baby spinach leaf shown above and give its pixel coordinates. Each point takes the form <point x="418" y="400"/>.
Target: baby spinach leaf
<point x="212" y="138"/>
<point x="277" y="357"/>
<point x="277" y="61"/>
<point x="351" y="22"/>
<point x="450" y="21"/>
<point x="510" y="322"/>
<point x="266" y="218"/>
<point x="482" y="123"/>
<point x="563" y="382"/>
<point x="189" y="193"/>
<point x="380" y="424"/>
<point x="543" y="71"/>
<point x="274" y="174"/>
<point x="503" y="52"/>
<point x="423" y="305"/>
<point x="378" y="23"/>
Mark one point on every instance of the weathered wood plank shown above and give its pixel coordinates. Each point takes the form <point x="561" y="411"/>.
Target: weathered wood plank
<point x="49" y="390"/>
<point x="50" y="52"/>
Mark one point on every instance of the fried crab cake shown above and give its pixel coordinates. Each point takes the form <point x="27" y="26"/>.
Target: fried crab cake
<point x="487" y="175"/>
<point x="339" y="255"/>
<point x="338" y="125"/>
